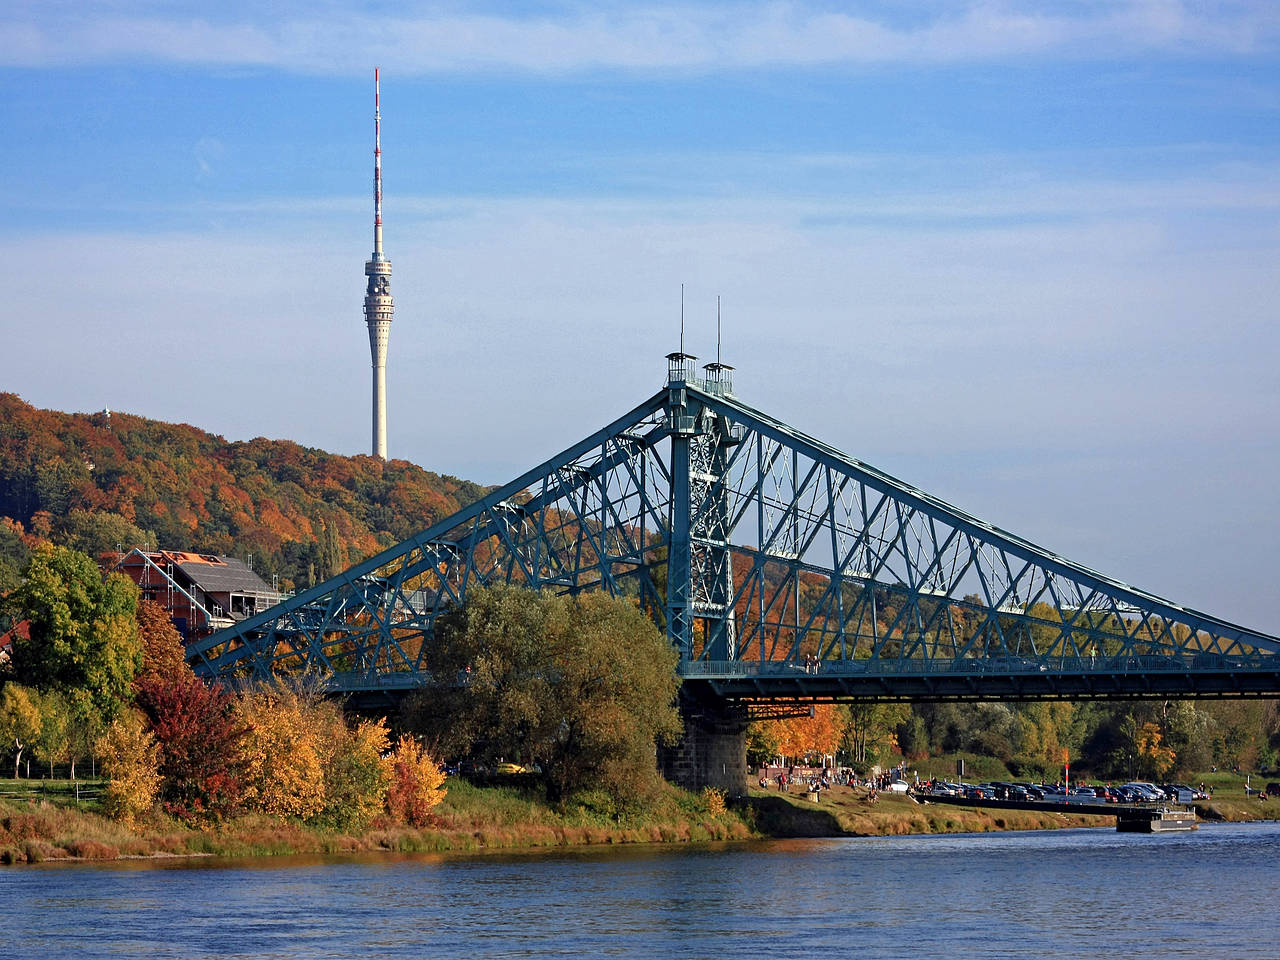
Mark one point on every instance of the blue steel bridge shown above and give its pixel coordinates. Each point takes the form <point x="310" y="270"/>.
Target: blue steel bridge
<point x="782" y="570"/>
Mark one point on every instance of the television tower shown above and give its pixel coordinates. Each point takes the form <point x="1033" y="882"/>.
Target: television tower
<point x="378" y="307"/>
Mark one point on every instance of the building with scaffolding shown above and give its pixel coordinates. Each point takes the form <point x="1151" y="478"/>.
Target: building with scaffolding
<point x="202" y="592"/>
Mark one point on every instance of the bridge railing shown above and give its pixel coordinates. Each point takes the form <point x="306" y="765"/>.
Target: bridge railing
<point x="980" y="666"/>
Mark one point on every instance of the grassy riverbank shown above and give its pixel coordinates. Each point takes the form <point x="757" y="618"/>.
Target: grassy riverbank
<point x="49" y="824"/>
<point x="40" y="822"/>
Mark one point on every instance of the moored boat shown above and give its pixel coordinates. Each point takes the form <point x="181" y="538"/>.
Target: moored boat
<point x="1161" y="820"/>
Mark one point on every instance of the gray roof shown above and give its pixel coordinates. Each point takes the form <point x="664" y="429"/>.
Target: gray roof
<point x="229" y="576"/>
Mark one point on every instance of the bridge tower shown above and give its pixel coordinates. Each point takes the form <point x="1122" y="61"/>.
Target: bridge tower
<point x="701" y="620"/>
<point x="378" y="307"/>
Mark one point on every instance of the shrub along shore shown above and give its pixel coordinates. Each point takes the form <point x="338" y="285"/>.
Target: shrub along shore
<point x="56" y="826"/>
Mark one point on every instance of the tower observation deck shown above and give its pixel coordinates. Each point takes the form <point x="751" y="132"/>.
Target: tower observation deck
<point x="378" y="306"/>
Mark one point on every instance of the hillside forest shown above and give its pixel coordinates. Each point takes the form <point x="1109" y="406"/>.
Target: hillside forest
<point x="100" y="481"/>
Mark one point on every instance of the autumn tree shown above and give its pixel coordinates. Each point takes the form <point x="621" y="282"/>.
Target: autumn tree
<point x="416" y="783"/>
<point x="163" y="653"/>
<point x="1154" y="757"/>
<point x="817" y="734"/>
<point x="20" y="721"/>
<point x="198" y="734"/>
<point x="129" y="759"/>
<point x="584" y="686"/>
<point x="282" y="756"/>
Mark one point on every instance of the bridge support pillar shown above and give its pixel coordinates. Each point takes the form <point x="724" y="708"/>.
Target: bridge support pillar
<point x="713" y="750"/>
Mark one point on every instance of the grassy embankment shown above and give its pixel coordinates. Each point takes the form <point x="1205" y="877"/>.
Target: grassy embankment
<point x="36" y="827"/>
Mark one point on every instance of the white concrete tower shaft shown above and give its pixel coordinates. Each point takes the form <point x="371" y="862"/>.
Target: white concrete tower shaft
<point x="378" y="306"/>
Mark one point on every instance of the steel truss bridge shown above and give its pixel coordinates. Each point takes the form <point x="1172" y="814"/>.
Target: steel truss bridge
<point x="781" y="569"/>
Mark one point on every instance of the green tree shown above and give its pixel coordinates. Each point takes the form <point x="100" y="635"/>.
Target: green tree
<point x="869" y="736"/>
<point x="357" y="774"/>
<point x="763" y="743"/>
<point x="54" y="743"/>
<point x="20" y="720"/>
<point x="98" y="531"/>
<point x="585" y="686"/>
<point x="84" y="634"/>
<point x="14" y="555"/>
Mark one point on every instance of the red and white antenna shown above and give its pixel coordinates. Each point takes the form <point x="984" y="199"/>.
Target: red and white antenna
<point x="377" y="164"/>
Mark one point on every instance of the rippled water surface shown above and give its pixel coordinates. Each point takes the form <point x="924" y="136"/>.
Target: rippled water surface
<point x="1078" y="893"/>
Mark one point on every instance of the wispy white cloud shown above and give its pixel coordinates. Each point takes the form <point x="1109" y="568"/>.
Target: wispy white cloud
<point x="434" y="39"/>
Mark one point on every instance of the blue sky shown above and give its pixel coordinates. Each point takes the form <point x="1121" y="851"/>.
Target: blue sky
<point x="1021" y="254"/>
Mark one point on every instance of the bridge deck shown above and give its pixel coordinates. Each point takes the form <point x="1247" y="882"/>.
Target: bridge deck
<point x="978" y="679"/>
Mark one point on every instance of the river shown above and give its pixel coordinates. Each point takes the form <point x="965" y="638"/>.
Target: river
<point x="1070" y="893"/>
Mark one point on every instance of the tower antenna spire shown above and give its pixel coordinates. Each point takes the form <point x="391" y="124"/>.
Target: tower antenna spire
<point x="377" y="163"/>
<point x="378" y="306"/>
<point x="717" y="328"/>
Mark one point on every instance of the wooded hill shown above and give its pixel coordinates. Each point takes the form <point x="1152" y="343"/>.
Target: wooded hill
<point x="102" y="480"/>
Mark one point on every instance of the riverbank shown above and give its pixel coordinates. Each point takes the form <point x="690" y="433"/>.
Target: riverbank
<point x="57" y="827"/>
<point x="847" y="812"/>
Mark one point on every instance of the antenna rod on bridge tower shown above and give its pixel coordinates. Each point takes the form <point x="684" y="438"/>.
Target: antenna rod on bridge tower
<point x="682" y="319"/>
<point x="717" y="329"/>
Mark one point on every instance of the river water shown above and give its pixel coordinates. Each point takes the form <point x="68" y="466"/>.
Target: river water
<point x="1070" y="893"/>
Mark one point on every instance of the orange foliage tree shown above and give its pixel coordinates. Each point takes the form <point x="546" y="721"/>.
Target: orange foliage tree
<point x="416" y="783"/>
<point x="815" y="736"/>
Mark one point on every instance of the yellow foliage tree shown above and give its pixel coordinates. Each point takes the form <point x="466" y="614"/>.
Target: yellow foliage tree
<point x="1153" y="755"/>
<point x="130" y="759"/>
<point x="284" y="773"/>
<point x="415" y="784"/>
<point x="20" y="720"/>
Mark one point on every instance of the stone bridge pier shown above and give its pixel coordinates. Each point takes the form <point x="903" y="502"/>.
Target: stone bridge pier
<point x="713" y="750"/>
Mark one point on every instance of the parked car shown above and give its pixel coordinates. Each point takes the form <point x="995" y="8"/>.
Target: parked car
<point x="897" y="786"/>
<point x="1143" y="792"/>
